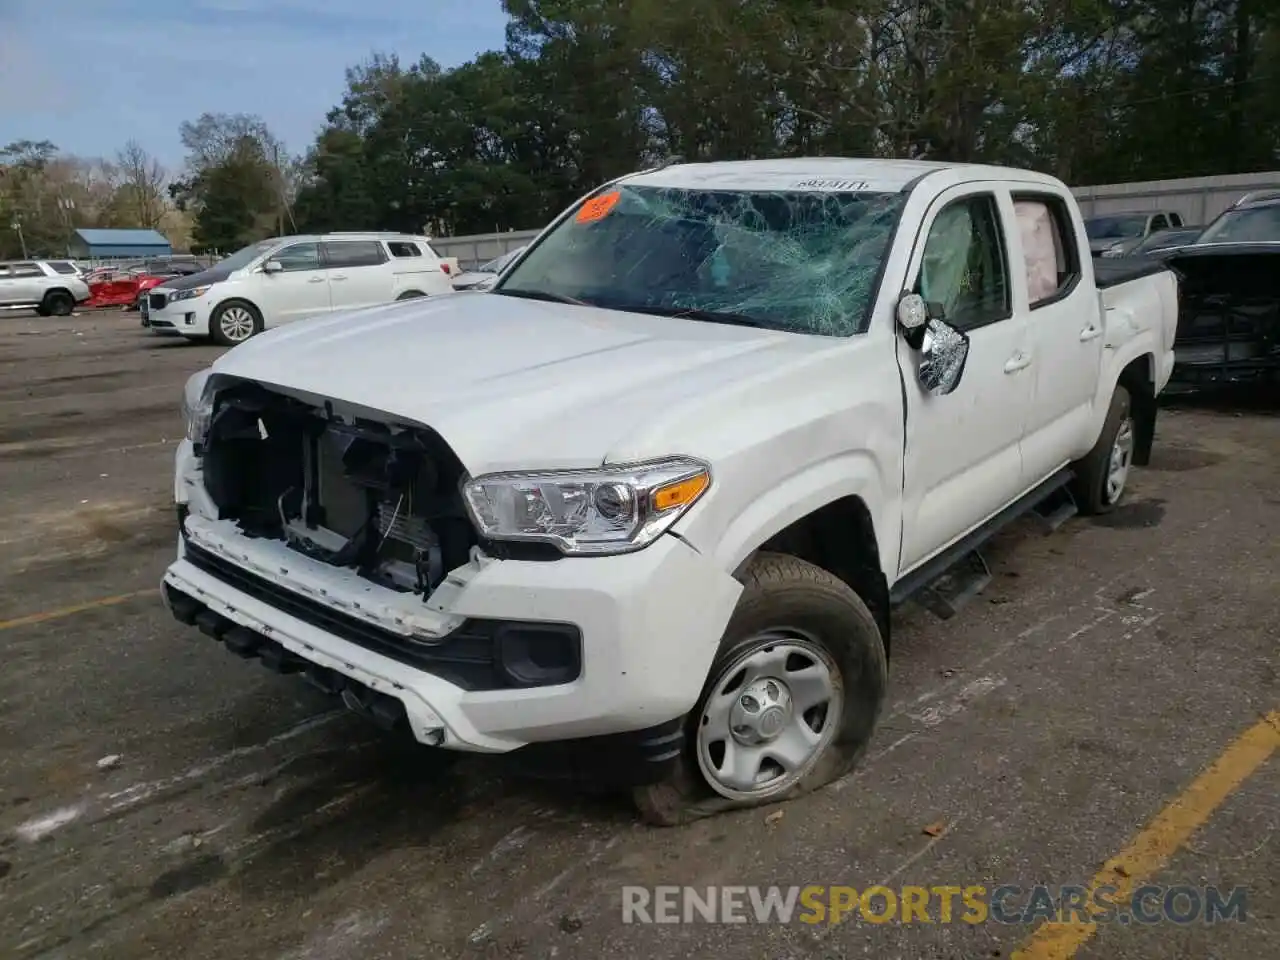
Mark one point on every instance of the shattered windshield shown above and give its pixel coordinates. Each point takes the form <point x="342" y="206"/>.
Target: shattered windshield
<point x="1114" y="228"/>
<point x="801" y="261"/>
<point x="1250" y="225"/>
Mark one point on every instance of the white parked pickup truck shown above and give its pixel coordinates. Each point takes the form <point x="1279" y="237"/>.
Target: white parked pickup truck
<point x="644" y="509"/>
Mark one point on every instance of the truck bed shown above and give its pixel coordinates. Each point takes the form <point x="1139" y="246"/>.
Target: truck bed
<point x="1110" y="273"/>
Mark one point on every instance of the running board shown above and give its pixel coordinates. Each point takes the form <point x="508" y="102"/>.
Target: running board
<point x="944" y="590"/>
<point x="1056" y="509"/>
<point x="951" y="592"/>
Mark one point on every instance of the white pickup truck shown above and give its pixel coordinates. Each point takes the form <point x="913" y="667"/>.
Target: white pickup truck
<point x="642" y="511"/>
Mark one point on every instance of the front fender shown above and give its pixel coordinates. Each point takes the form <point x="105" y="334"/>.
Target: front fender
<point x="747" y="525"/>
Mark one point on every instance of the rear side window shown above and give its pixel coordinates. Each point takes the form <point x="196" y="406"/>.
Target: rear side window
<point x="1049" y="249"/>
<point x="62" y="267"/>
<point x="1159" y="222"/>
<point x="352" y="253"/>
<point x="1175" y="220"/>
<point x="403" y="248"/>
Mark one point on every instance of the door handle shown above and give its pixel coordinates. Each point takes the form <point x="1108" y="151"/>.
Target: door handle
<point x="316" y="280"/>
<point x="1090" y="333"/>
<point x="1019" y="361"/>
<point x="337" y="278"/>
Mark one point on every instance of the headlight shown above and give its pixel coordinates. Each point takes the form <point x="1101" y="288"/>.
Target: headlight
<point x="197" y="406"/>
<point x="189" y="294"/>
<point x="609" y="510"/>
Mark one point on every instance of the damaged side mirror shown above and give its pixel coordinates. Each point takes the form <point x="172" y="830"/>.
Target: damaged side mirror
<point x="943" y="349"/>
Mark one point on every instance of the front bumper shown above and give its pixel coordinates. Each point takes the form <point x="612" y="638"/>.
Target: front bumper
<point x="649" y="622"/>
<point x="188" y="318"/>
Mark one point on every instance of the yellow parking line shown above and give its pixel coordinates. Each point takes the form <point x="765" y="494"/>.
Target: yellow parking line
<point x="68" y="611"/>
<point x="1151" y="849"/>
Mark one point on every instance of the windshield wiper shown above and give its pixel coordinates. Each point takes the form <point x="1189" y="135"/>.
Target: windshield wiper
<point x="541" y="295"/>
<point x="705" y="316"/>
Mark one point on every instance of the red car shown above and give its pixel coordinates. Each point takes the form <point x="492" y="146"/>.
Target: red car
<point x="122" y="286"/>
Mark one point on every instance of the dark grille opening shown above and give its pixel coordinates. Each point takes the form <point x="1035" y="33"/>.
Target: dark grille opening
<point x="156" y="301"/>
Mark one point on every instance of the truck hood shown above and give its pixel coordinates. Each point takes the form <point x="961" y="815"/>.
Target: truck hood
<point x="521" y="384"/>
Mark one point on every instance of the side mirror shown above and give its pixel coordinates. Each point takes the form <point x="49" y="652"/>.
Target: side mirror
<point x="943" y="354"/>
<point x="943" y="348"/>
<point x="273" y="266"/>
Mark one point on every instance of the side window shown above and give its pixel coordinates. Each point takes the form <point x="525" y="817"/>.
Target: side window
<point x="964" y="269"/>
<point x="62" y="267"/>
<point x="26" y="270"/>
<point x="299" y="256"/>
<point x="1049" y="248"/>
<point x="403" y="248"/>
<point x="353" y="253"/>
<point x="1175" y="219"/>
<point x="1159" y="222"/>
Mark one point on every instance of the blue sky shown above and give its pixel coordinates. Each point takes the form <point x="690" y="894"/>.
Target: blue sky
<point x="91" y="74"/>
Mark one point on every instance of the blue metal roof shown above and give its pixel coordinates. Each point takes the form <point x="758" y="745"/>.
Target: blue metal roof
<point x="112" y="238"/>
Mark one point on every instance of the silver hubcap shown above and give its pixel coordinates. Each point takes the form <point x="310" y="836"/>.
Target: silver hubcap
<point x="770" y="715"/>
<point x="1121" y="459"/>
<point x="236" y="324"/>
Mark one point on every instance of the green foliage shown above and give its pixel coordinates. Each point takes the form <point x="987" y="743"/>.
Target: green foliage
<point x="1091" y="90"/>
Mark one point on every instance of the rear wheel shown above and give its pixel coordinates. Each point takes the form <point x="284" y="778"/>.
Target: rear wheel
<point x="234" y="322"/>
<point x="791" y="700"/>
<point x="58" y="303"/>
<point x="1103" y="475"/>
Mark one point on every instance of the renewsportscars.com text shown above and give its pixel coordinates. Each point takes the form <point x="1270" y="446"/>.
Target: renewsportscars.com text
<point x="972" y="904"/>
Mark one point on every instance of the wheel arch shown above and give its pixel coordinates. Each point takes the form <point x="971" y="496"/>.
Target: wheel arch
<point x="832" y="526"/>
<point x="1138" y="376"/>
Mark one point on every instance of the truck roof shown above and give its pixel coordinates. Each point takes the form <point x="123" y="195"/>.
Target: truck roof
<point x="825" y="173"/>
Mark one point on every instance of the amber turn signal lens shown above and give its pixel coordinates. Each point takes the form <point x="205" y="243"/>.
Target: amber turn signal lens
<point x="680" y="493"/>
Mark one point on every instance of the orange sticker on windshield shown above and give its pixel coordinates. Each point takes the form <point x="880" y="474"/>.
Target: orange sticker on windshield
<point x="597" y="208"/>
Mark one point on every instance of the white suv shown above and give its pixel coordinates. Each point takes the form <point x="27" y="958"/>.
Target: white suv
<point x="292" y="278"/>
<point x="50" y="288"/>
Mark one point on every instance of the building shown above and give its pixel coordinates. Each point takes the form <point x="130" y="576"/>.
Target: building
<point x="107" y="244"/>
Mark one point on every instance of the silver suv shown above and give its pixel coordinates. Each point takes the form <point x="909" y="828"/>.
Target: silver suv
<point x="51" y="289"/>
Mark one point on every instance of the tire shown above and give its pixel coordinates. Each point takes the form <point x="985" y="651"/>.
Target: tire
<point x="59" y="303"/>
<point x="815" y="618"/>
<point x="233" y="322"/>
<point x="1103" y="474"/>
<point x="42" y="311"/>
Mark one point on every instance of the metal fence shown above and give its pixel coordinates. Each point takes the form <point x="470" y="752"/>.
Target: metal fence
<point x="1197" y="199"/>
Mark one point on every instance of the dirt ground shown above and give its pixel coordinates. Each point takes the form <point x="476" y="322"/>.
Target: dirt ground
<point x="160" y="798"/>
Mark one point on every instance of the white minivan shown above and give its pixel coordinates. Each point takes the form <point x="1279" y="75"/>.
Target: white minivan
<point x="291" y="278"/>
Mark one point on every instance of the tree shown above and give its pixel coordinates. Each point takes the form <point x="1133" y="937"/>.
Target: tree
<point x="139" y="195"/>
<point x="237" y="199"/>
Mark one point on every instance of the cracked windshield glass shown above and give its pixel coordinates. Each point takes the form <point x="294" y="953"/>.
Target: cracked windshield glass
<point x="800" y="261"/>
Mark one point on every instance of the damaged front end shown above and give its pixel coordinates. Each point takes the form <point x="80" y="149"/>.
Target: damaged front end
<point x="377" y="498"/>
<point x="1229" y="314"/>
<point x="352" y="524"/>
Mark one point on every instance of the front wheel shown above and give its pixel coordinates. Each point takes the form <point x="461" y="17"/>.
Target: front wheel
<point x="791" y="701"/>
<point x="1103" y="474"/>
<point x="234" y="322"/>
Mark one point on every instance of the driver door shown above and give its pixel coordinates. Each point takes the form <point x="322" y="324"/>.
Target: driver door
<point x="963" y="460"/>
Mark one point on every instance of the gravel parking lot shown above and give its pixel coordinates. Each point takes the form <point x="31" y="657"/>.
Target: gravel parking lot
<point x="160" y="798"/>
